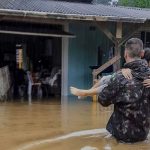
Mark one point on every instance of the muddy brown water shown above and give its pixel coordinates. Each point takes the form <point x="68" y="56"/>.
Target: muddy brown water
<point x="54" y="124"/>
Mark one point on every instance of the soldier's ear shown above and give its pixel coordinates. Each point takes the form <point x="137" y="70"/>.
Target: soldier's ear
<point x="149" y="63"/>
<point x="125" y="54"/>
<point x="142" y="53"/>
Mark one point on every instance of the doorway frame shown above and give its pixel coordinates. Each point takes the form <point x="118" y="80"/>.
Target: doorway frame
<point x="64" y="66"/>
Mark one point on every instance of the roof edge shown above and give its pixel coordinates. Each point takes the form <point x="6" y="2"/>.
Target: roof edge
<point x="36" y="14"/>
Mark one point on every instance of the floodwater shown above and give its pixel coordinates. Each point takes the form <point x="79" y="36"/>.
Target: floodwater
<point x="69" y="124"/>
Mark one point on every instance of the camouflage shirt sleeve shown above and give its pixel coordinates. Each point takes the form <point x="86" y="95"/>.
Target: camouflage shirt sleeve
<point x="107" y="95"/>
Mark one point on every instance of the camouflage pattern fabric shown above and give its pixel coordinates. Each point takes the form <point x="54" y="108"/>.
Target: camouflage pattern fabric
<point x="130" y="119"/>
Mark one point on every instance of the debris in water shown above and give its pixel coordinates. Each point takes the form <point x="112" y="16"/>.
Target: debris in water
<point x="89" y="148"/>
<point x="107" y="147"/>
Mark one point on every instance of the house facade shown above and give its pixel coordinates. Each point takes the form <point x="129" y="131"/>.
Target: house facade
<point x="72" y="36"/>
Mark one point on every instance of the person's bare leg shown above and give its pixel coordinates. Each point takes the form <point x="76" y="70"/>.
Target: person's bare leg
<point x="83" y="93"/>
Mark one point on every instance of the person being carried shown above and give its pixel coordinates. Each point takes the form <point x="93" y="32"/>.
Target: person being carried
<point x="102" y="83"/>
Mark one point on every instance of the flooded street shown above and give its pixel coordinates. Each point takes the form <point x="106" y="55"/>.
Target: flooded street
<point x="69" y="124"/>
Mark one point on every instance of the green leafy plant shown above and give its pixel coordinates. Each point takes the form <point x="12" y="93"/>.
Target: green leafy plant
<point x="135" y="3"/>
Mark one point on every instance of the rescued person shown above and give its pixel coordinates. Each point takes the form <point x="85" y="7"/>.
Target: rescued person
<point x="98" y="87"/>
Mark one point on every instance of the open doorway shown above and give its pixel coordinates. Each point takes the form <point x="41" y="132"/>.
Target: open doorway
<point x="39" y="55"/>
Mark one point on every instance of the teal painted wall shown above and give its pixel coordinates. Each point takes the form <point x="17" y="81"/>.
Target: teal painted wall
<point x="83" y="51"/>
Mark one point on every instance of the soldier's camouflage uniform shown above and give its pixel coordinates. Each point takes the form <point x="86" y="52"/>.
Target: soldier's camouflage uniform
<point x="130" y="119"/>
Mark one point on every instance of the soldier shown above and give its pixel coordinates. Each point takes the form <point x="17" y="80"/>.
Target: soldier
<point x="130" y="119"/>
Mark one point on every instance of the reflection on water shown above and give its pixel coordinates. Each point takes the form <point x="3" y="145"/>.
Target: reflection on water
<point x="22" y="125"/>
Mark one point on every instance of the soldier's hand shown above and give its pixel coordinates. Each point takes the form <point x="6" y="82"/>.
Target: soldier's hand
<point x="127" y="73"/>
<point x="147" y="83"/>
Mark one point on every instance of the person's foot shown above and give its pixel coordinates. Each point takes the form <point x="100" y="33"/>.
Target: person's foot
<point x="77" y="92"/>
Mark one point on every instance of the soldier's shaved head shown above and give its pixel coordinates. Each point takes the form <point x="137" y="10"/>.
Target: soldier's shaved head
<point x="134" y="47"/>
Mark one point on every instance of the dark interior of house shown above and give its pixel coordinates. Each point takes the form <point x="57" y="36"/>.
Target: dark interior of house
<point x="41" y="56"/>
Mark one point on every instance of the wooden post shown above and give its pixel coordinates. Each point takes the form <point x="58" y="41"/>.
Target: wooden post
<point x="119" y="30"/>
<point x="94" y="82"/>
<point x="117" y="47"/>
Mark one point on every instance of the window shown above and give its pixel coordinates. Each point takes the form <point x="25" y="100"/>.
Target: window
<point x="145" y="36"/>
